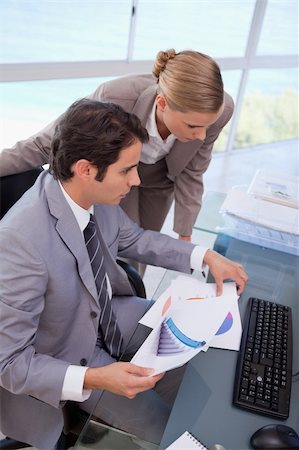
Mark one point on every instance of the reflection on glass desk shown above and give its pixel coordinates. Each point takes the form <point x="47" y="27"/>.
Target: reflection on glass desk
<point x="100" y="436"/>
<point x="96" y="435"/>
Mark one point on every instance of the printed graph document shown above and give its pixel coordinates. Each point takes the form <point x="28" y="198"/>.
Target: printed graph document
<point x="185" y="320"/>
<point x="187" y="442"/>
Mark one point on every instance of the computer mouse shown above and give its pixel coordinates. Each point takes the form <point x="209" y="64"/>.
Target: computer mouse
<point x="275" y="436"/>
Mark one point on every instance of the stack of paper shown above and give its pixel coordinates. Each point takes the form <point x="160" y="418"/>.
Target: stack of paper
<point x="275" y="187"/>
<point x="261" y="212"/>
<point x="186" y="319"/>
<point x="262" y="222"/>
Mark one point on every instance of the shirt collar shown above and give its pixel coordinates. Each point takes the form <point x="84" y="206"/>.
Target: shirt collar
<point x="151" y="126"/>
<point x="82" y="215"/>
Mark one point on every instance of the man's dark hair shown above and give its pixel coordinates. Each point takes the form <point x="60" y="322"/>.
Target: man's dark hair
<point x="95" y="131"/>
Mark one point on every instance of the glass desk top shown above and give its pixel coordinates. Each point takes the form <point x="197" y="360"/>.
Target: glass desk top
<point x="264" y="266"/>
<point x="204" y="402"/>
<point x="209" y="219"/>
<point x="206" y="389"/>
<point x="99" y="436"/>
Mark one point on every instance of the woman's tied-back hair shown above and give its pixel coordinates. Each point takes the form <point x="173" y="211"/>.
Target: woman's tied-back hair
<point x="189" y="80"/>
<point x="95" y="131"/>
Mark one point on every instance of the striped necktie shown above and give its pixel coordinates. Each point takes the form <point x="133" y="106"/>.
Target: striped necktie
<point x="107" y="324"/>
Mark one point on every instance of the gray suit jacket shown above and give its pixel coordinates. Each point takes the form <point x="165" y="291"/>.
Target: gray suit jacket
<point x="48" y="309"/>
<point x="186" y="162"/>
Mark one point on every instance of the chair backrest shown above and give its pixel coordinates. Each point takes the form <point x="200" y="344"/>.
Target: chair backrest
<point x="134" y="278"/>
<point x="12" y="187"/>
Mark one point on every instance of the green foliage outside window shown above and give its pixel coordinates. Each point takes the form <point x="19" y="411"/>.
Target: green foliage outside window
<point x="265" y="119"/>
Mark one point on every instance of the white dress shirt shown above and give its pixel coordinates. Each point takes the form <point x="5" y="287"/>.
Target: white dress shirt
<point x="72" y="388"/>
<point x="156" y="148"/>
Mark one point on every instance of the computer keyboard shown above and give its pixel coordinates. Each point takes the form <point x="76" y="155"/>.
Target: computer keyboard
<point x="264" y="367"/>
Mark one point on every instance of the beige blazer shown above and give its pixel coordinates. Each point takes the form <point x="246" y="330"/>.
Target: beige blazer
<point x="178" y="177"/>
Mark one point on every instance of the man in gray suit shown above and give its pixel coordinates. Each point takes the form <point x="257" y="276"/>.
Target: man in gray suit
<point x="53" y="344"/>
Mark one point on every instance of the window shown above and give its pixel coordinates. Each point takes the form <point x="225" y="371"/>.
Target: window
<point x="71" y="39"/>
<point x="64" y="30"/>
<point x="270" y="108"/>
<point x="29" y="106"/>
<point x="279" y="34"/>
<point x="219" y="28"/>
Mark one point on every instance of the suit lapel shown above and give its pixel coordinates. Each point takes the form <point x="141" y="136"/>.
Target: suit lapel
<point x="73" y="239"/>
<point x="69" y="231"/>
<point x="144" y="103"/>
<point x="180" y="155"/>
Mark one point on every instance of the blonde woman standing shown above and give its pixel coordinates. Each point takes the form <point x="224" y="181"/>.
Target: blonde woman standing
<point x="184" y="108"/>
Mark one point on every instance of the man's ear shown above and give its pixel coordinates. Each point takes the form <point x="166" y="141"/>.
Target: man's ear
<point x="161" y="102"/>
<point x="82" y="168"/>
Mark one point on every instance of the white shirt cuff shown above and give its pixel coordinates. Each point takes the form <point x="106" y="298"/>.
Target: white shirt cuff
<point x="72" y="388"/>
<point x="196" y="259"/>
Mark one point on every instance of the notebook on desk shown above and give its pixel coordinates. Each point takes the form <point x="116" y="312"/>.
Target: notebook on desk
<point x="187" y="441"/>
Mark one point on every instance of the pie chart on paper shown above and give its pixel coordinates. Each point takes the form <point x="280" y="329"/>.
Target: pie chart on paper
<point x="226" y="325"/>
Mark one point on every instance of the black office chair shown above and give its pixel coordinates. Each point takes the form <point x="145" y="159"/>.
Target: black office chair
<point x="12" y="187"/>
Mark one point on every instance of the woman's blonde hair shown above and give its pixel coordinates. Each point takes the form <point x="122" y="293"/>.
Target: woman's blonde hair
<point x="189" y="80"/>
